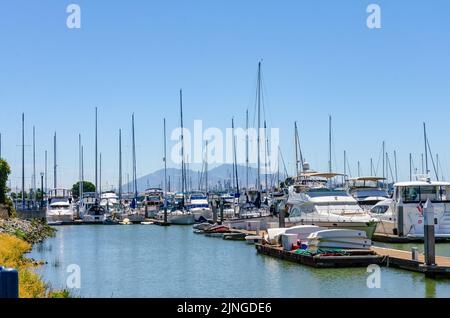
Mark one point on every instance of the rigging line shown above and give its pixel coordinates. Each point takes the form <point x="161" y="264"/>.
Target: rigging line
<point x="432" y="160"/>
<point x="379" y="160"/>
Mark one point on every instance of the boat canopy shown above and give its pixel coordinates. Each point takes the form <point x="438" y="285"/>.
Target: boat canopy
<point x="375" y="179"/>
<point x="327" y="175"/>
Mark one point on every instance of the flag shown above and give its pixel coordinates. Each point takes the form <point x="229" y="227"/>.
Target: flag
<point x="420" y="208"/>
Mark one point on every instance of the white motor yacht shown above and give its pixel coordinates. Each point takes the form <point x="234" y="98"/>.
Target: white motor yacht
<point x="60" y="208"/>
<point x="402" y="215"/>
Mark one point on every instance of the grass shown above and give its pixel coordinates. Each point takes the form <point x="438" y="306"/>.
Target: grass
<point x="30" y="284"/>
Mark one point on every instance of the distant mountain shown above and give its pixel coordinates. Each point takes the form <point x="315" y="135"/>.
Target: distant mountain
<point x="218" y="178"/>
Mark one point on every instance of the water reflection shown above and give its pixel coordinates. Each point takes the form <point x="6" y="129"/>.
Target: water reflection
<point x="147" y="261"/>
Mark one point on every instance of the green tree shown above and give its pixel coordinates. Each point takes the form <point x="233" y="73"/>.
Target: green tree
<point x="5" y="171"/>
<point x="87" y="187"/>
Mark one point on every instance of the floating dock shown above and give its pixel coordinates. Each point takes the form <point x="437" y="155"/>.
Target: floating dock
<point x="385" y="257"/>
<point x="387" y="238"/>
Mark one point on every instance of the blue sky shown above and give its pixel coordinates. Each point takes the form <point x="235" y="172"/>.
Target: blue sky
<point x="319" y="58"/>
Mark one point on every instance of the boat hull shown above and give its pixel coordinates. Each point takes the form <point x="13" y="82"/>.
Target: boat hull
<point x="181" y="219"/>
<point x="368" y="227"/>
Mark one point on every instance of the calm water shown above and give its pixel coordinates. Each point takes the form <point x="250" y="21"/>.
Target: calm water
<point x="152" y="261"/>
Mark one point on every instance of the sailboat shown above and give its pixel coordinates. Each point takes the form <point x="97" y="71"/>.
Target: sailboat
<point x="60" y="207"/>
<point x="179" y="214"/>
<point x="135" y="215"/>
<point x="95" y="214"/>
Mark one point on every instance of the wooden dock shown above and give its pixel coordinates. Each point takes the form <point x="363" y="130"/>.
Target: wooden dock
<point x="385" y="257"/>
<point x="387" y="238"/>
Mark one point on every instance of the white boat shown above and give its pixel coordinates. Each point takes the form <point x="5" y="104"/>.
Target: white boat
<point x="96" y="214"/>
<point x="199" y="206"/>
<point x="60" y="208"/>
<point x="368" y="191"/>
<point x="110" y="202"/>
<point x="153" y="201"/>
<point x="302" y="232"/>
<point x="86" y="202"/>
<point x="312" y="202"/>
<point x="411" y="197"/>
<point x="177" y="217"/>
<point x="339" y="239"/>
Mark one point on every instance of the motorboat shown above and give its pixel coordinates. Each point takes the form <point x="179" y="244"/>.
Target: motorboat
<point x="96" y="214"/>
<point x="60" y="208"/>
<point x="339" y="239"/>
<point x="403" y="215"/>
<point x="368" y="191"/>
<point x="110" y="202"/>
<point x="199" y="206"/>
<point x="153" y="201"/>
<point x="313" y="202"/>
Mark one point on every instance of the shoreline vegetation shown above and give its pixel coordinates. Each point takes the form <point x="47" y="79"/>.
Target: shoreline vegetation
<point x="17" y="238"/>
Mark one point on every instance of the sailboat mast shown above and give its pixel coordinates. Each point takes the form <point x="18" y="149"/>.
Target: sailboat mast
<point x="296" y="149"/>
<point x="134" y="159"/>
<point x="395" y="166"/>
<point x="410" y="168"/>
<point x="80" y="195"/>
<point x="82" y="171"/>
<point x="120" y="166"/>
<point x="23" y="160"/>
<point x="330" y="168"/>
<point x="384" y="160"/>
<point x="426" y="148"/>
<point x="206" y="168"/>
<point x="265" y="155"/>
<point x="246" y="148"/>
<point x="345" y="166"/>
<point x="46" y="171"/>
<point x="182" y="149"/>
<point x="54" y="163"/>
<point x="235" y="157"/>
<point x="258" y="179"/>
<point x="34" y="165"/>
<point x="96" y="158"/>
<point x="165" y="161"/>
<point x="100" y="176"/>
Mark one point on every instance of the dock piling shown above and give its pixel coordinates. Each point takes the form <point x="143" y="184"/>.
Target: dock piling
<point x="400" y="223"/>
<point x="429" y="240"/>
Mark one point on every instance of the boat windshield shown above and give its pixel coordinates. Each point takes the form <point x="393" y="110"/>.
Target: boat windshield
<point x="364" y="184"/>
<point x="416" y="194"/>
<point x="59" y="207"/>
<point x="370" y="193"/>
<point x="315" y="193"/>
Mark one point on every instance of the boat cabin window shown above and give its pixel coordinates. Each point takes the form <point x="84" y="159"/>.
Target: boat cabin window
<point x="423" y="193"/>
<point x="59" y="207"/>
<point x="380" y="209"/>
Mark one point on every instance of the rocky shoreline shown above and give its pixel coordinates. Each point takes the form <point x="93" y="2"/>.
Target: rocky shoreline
<point x="33" y="232"/>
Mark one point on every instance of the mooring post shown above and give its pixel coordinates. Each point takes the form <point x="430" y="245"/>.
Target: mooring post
<point x="214" y="210"/>
<point x="9" y="283"/>
<point x="165" y="210"/>
<point x="400" y="219"/>
<point x="221" y="211"/>
<point x="429" y="239"/>
<point x="281" y="216"/>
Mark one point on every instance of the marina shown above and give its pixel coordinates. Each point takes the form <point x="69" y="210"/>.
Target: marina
<point x="225" y="150"/>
